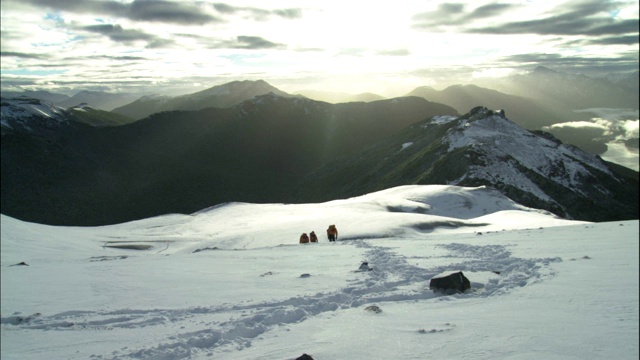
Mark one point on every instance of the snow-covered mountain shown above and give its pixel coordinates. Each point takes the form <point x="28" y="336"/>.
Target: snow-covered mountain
<point x="483" y="147"/>
<point x="232" y="282"/>
<point x="505" y="148"/>
<point x="37" y="117"/>
<point x="29" y="114"/>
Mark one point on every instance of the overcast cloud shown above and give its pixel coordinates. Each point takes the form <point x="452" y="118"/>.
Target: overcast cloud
<point x="380" y="47"/>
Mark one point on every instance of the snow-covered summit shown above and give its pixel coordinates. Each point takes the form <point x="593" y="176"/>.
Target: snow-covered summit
<point x="29" y="113"/>
<point x="493" y="129"/>
<point x="510" y="154"/>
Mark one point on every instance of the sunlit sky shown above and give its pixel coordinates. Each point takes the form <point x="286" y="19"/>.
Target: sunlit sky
<point x="384" y="47"/>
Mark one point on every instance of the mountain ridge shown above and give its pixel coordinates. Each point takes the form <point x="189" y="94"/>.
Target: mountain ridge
<point x="225" y="95"/>
<point x="534" y="169"/>
<point x="562" y="91"/>
<point x="183" y="161"/>
<point x="526" y="112"/>
<point x="275" y="147"/>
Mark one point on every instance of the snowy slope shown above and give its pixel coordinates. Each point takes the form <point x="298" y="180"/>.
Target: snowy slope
<point x="231" y="282"/>
<point x="513" y="157"/>
<point x="27" y="113"/>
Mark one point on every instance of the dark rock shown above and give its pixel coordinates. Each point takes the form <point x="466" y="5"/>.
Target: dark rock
<point x="452" y="282"/>
<point x="373" y="308"/>
<point x="304" y="357"/>
<point x="364" y="267"/>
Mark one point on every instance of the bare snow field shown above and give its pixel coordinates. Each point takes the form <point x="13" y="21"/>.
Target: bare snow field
<point x="232" y="282"/>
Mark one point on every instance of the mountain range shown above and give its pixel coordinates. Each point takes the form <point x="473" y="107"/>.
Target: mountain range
<point x="554" y="91"/>
<point x="560" y="90"/>
<point x="101" y="100"/>
<point x="58" y="169"/>
<point x="529" y="113"/>
<point x="539" y="99"/>
<point x="47" y="96"/>
<point x="183" y="161"/>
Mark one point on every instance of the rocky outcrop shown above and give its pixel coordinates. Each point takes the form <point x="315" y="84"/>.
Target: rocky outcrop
<point x="455" y="282"/>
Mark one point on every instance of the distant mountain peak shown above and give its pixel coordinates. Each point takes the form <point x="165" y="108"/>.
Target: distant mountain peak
<point x="234" y="87"/>
<point x="543" y="70"/>
<point x="219" y="96"/>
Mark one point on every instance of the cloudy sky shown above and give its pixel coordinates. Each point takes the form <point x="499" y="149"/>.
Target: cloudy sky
<point x="351" y="46"/>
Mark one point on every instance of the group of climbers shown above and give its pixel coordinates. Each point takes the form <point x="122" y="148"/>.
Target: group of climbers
<point x="305" y="239"/>
<point x="332" y="235"/>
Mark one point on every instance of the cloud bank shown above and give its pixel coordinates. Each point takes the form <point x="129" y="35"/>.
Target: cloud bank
<point x="289" y="43"/>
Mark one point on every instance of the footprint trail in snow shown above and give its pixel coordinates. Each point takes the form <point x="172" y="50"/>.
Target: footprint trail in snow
<point x="391" y="279"/>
